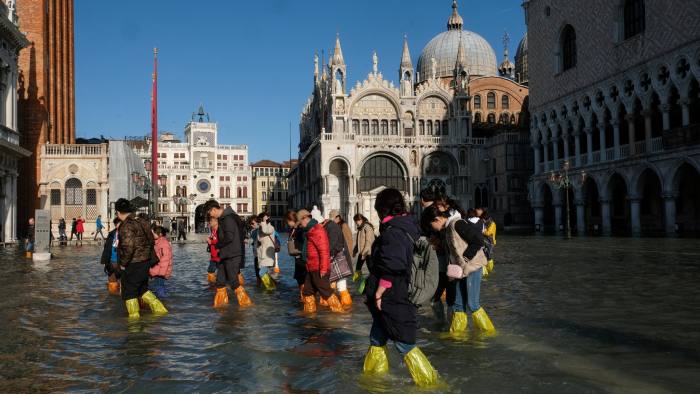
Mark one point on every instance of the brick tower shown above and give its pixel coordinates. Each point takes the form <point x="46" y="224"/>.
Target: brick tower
<point x="46" y="89"/>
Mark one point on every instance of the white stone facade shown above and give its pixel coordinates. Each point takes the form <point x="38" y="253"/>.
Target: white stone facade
<point x="625" y="116"/>
<point x="11" y="42"/>
<point x="200" y="169"/>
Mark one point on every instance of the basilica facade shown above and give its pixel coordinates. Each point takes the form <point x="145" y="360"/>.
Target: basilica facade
<point x="436" y="126"/>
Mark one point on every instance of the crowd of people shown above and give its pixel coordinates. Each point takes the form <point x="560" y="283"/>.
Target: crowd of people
<point x="452" y="249"/>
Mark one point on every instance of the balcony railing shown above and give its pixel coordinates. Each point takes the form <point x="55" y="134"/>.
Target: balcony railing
<point x="640" y="147"/>
<point x="73" y="150"/>
<point x="596" y="157"/>
<point x="624" y="151"/>
<point x="398" y="139"/>
<point x="657" y="144"/>
<point x="610" y="154"/>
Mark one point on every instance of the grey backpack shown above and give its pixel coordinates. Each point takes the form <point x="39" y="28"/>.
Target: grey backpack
<point x="425" y="272"/>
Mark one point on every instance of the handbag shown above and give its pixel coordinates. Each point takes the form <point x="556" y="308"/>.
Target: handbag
<point x="340" y="267"/>
<point x="276" y="242"/>
<point x="454" y="271"/>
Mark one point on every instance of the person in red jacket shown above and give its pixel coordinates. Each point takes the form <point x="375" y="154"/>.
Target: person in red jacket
<point x="214" y="258"/>
<point x="80" y="228"/>
<point x="316" y="250"/>
<point x="162" y="271"/>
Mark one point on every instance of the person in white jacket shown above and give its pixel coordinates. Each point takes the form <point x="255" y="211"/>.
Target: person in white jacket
<point x="266" y="250"/>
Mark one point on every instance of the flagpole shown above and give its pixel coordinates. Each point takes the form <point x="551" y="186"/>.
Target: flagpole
<point x="154" y="136"/>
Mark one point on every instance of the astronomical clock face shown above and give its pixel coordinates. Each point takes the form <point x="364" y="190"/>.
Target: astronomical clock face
<point x="203" y="186"/>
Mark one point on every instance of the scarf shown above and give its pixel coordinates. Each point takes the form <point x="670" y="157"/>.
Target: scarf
<point x="305" y="245"/>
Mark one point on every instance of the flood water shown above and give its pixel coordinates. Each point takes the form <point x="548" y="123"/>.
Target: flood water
<point x="581" y="316"/>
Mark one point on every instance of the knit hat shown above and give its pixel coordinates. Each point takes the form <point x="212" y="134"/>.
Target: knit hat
<point x="302" y="213"/>
<point x="123" y="205"/>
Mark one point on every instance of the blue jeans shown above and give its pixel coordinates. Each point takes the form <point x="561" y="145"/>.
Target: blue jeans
<point x="467" y="292"/>
<point x="158" y="286"/>
<point x="212" y="267"/>
<point x="377" y="337"/>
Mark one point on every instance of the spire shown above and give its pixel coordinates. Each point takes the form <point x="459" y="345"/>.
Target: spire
<point x="506" y="68"/>
<point x="338" y="53"/>
<point x="406" y="55"/>
<point x="455" y="22"/>
<point x="315" y="66"/>
<point x="461" y="57"/>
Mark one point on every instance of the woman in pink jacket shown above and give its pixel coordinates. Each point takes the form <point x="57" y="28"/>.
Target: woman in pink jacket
<point x="162" y="271"/>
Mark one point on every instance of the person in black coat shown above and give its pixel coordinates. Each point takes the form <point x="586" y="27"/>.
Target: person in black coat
<point x="231" y="249"/>
<point x="393" y="314"/>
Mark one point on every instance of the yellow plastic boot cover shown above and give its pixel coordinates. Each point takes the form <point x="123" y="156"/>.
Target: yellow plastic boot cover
<point x="132" y="306"/>
<point x="334" y="304"/>
<point x="376" y="362"/>
<point x="268" y="282"/>
<point x="484" y="272"/>
<point x="489" y="266"/>
<point x="309" y="304"/>
<point x="242" y="297"/>
<point x="459" y="322"/>
<point x="157" y="307"/>
<point x="420" y="368"/>
<point x="481" y="320"/>
<point x="221" y="297"/>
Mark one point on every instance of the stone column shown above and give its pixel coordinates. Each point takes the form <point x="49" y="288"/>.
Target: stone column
<point x="545" y="145"/>
<point x="605" y="216"/>
<point x="580" y="217"/>
<point x="13" y="208"/>
<point x="630" y="132"/>
<point x="616" y="138"/>
<point x="647" y="130"/>
<point x="577" y="147"/>
<point x="635" y="216"/>
<point x="589" y="144"/>
<point x="601" y="139"/>
<point x="685" y="105"/>
<point x="555" y="152"/>
<point x="557" y="218"/>
<point x="565" y="141"/>
<point x="536" y="147"/>
<point x="665" y="112"/>
<point x="670" y="213"/>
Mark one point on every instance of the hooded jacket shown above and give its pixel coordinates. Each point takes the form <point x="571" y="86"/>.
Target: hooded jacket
<point x="316" y="249"/>
<point x="135" y="241"/>
<point x="164" y="251"/>
<point x="231" y="236"/>
<point x="365" y="239"/>
<point x="266" y="245"/>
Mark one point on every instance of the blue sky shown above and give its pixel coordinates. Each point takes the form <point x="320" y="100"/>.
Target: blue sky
<point x="250" y="63"/>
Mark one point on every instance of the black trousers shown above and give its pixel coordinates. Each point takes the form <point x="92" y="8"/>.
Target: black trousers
<point x="315" y="283"/>
<point x="227" y="271"/>
<point x="445" y="285"/>
<point x="134" y="280"/>
<point x="299" y="271"/>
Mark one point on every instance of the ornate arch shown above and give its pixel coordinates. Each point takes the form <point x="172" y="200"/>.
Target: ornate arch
<point x="375" y="91"/>
<point x="341" y="158"/>
<point x="638" y="175"/>
<point x="668" y="181"/>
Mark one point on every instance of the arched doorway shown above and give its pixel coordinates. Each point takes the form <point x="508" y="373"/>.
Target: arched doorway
<point x="438" y="168"/>
<point x="651" y="204"/>
<point x="592" y="205"/>
<point x="619" y="208"/>
<point x="200" y="219"/>
<point x="378" y="173"/>
<point x="548" y="209"/>
<point x="338" y="187"/>
<point x="686" y="183"/>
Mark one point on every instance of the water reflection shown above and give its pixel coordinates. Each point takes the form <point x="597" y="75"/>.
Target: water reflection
<point x="588" y="315"/>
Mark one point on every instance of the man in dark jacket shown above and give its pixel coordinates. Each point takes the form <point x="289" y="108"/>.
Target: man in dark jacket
<point x="231" y="249"/>
<point x="134" y="247"/>
<point x="338" y="245"/>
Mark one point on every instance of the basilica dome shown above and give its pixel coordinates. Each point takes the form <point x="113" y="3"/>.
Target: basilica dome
<point x="521" y="73"/>
<point x="480" y="56"/>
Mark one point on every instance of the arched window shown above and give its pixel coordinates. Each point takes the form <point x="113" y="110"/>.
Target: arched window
<point x="375" y="127"/>
<point x="491" y="100"/>
<point x="385" y="127"/>
<point x="74" y="192"/>
<point x="462" y="157"/>
<point x="365" y="127"/>
<point x="634" y="17"/>
<point x="568" y="48"/>
<point x="491" y="118"/>
<point x="394" y="127"/>
<point x="430" y="127"/>
<point x="245" y="191"/>
<point x="477" y="102"/>
<point x="178" y="191"/>
<point x="505" y="102"/>
<point x="221" y="192"/>
<point x="421" y="127"/>
<point x="477" y="117"/>
<point x="381" y="171"/>
<point x="184" y="191"/>
<point x="264" y="196"/>
<point x="445" y="127"/>
<point x="437" y="127"/>
<point x="512" y="119"/>
<point x="228" y="192"/>
<point x="356" y="126"/>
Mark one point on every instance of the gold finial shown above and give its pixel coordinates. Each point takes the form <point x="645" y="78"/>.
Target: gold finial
<point x="155" y="50"/>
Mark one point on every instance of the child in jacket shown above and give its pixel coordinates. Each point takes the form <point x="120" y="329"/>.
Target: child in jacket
<point x="162" y="271"/>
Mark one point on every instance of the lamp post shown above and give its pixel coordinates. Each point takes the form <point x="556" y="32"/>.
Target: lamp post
<point x="561" y="180"/>
<point x="142" y="184"/>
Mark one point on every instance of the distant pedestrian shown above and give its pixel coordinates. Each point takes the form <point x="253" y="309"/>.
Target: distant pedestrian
<point x="29" y="247"/>
<point x="73" y="229"/>
<point x="181" y="234"/>
<point x="363" y="246"/>
<point x="80" y="228"/>
<point x="62" y="231"/>
<point x="162" y="271"/>
<point x="266" y="251"/>
<point x="98" y="227"/>
<point x="489" y="237"/>
<point x="110" y="260"/>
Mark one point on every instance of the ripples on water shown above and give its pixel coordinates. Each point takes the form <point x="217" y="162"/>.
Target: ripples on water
<point x="587" y="315"/>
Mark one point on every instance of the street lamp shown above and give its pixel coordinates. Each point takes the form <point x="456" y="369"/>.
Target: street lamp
<point x="561" y="180"/>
